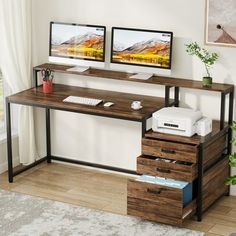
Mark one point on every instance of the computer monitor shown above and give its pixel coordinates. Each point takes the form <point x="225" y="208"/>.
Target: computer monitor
<point x="76" y="44"/>
<point x="138" y="50"/>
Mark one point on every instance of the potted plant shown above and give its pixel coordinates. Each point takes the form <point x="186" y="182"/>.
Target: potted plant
<point x="206" y="57"/>
<point x="232" y="159"/>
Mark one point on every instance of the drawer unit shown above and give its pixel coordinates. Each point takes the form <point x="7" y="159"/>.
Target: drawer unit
<point x="179" y="170"/>
<point x="170" y="150"/>
<point x="198" y="160"/>
<point x="158" y="203"/>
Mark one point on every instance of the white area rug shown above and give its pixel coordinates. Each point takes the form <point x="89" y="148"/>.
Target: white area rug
<point x="23" y="215"/>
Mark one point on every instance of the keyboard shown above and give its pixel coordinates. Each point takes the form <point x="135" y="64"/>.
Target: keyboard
<point x="83" y="100"/>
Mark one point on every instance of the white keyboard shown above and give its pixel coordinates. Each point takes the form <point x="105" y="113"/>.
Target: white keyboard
<point x="83" y="100"/>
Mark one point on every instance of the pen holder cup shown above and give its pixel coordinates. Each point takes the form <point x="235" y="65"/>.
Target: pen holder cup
<point x="47" y="86"/>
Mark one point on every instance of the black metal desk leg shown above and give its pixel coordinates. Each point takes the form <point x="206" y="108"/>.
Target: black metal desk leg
<point x="35" y="77"/>
<point x="222" y="111"/>
<point x="144" y="127"/>
<point x="48" y="135"/>
<point x="200" y="180"/>
<point x="176" y="96"/>
<point x="230" y="120"/>
<point x="167" y="96"/>
<point x="9" y="142"/>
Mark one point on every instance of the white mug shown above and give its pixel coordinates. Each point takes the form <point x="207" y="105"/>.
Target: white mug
<point x="136" y="105"/>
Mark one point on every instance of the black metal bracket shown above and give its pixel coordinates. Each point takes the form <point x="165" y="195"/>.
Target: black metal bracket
<point x="167" y="96"/>
<point x="9" y="141"/>
<point x="222" y="108"/>
<point x="48" y="135"/>
<point x="230" y="120"/>
<point x="144" y="127"/>
<point x="200" y="181"/>
<point x="49" y="157"/>
<point x="35" y="77"/>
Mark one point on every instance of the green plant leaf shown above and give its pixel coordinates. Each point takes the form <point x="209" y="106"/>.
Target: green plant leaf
<point x="232" y="164"/>
<point x="231" y="180"/>
<point x="233" y="141"/>
<point x="206" y="57"/>
<point x="233" y="126"/>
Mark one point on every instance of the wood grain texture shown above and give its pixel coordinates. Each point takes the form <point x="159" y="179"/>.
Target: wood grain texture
<point x="214" y="151"/>
<point x="155" y="212"/>
<point x="155" y="193"/>
<point x="157" y="203"/>
<point x="214" y="182"/>
<point x="195" y="139"/>
<point x="159" y="80"/>
<point x="120" y="109"/>
<point x="169" y="150"/>
<point x="179" y="171"/>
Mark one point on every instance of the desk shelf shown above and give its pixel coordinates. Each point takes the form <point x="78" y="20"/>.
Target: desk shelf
<point x="158" y="80"/>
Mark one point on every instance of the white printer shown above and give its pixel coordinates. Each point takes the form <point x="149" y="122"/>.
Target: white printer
<point x="180" y="121"/>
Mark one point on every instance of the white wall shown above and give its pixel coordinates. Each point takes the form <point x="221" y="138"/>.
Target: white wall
<point x="116" y="142"/>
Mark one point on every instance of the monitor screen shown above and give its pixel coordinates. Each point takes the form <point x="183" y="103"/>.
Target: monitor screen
<point x="141" y="47"/>
<point x="75" y="41"/>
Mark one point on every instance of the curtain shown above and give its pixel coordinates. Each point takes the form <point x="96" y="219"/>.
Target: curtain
<point x="15" y="63"/>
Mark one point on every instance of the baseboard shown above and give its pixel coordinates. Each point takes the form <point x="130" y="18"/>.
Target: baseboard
<point x="4" y="166"/>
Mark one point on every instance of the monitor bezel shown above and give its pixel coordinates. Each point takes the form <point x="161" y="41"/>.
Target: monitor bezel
<point x="142" y="30"/>
<point x="76" y="58"/>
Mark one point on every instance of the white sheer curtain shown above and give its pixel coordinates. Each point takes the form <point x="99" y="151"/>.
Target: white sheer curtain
<point x="15" y="63"/>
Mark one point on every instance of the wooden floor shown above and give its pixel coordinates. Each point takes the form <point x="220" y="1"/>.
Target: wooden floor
<point x="105" y="191"/>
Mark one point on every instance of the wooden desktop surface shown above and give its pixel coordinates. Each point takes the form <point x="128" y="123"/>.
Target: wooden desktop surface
<point x="120" y="109"/>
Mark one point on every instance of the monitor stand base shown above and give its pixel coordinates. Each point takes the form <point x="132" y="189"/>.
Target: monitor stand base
<point x="78" y="68"/>
<point x="141" y="76"/>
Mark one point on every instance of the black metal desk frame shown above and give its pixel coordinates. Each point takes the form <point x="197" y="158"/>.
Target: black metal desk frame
<point x="49" y="157"/>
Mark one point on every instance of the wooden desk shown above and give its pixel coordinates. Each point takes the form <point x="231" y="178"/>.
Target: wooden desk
<point x="205" y="166"/>
<point x="54" y="101"/>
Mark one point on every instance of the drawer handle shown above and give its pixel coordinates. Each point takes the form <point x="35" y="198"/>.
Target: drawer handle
<point x="163" y="170"/>
<point x="153" y="191"/>
<point x="168" y="151"/>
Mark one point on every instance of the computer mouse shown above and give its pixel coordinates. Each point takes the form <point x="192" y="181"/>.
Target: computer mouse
<point x="108" y="104"/>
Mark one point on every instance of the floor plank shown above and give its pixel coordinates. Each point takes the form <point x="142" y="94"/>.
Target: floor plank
<point x="223" y="230"/>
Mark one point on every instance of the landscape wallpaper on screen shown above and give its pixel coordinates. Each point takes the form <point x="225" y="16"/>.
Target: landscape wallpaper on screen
<point x="139" y="47"/>
<point x="77" y="42"/>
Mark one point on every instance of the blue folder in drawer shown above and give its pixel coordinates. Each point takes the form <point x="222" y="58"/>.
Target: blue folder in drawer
<point x="185" y="186"/>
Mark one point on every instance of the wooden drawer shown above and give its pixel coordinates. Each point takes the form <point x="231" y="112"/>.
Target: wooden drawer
<point x="179" y="171"/>
<point x="157" y="203"/>
<point x="170" y="150"/>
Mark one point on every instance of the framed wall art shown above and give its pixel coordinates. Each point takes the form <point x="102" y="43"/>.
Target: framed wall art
<point x="220" y="23"/>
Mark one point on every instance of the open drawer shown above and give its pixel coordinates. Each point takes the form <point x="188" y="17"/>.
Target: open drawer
<point x="158" y="203"/>
<point x="178" y="170"/>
